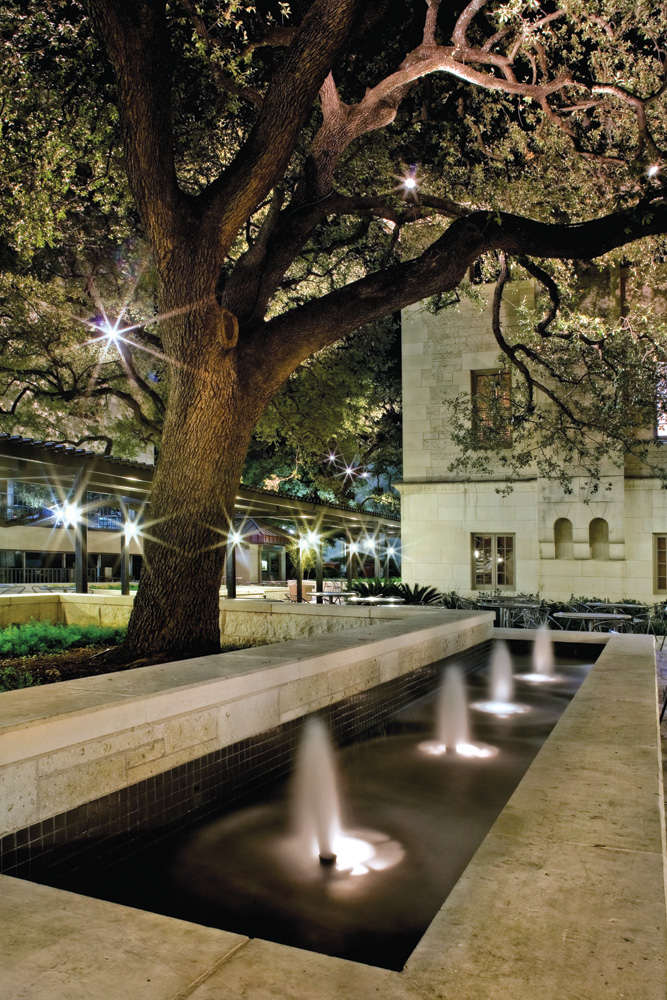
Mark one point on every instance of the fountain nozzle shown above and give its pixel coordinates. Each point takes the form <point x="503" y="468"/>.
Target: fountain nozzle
<point x="328" y="859"/>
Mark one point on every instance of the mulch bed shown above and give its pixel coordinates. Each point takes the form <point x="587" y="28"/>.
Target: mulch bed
<point x="89" y="661"/>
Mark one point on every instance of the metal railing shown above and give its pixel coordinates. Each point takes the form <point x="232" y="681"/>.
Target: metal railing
<point x="36" y="574"/>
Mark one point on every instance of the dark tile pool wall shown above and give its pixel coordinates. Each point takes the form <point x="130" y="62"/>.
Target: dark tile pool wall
<point x="99" y="832"/>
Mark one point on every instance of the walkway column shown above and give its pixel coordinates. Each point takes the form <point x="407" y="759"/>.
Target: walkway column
<point x="230" y="566"/>
<point x="124" y="562"/>
<point x="377" y="566"/>
<point x="81" y="557"/>
<point x="299" y="574"/>
<point x="319" y="569"/>
<point x="78" y="497"/>
<point x="351" y="550"/>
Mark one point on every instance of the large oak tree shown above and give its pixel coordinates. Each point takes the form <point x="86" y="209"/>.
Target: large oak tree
<point x="260" y="142"/>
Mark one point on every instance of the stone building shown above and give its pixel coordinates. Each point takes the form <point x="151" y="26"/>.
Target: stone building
<point x="459" y="533"/>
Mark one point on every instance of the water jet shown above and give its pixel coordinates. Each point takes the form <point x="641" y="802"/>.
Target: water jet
<point x="542" y="660"/>
<point x="501" y="686"/>
<point x="452" y="728"/>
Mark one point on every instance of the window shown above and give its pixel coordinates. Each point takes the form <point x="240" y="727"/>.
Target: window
<point x="659" y="563"/>
<point x="491" y="406"/>
<point x="492" y="561"/>
<point x="598" y="538"/>
<point x="563" y="538"/>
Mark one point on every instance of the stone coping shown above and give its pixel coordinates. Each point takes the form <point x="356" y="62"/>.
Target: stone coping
<point x="564" y="898"/>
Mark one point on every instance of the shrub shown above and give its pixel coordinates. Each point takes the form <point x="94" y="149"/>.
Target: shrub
<point x="46" y="637"/>
<point x="374" y="587"/>
<point x="11" y="679"/>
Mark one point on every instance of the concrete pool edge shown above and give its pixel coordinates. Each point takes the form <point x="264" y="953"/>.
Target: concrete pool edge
<point x="486" y="940"/>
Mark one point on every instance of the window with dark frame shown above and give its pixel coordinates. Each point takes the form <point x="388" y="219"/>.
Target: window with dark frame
<point x="492" y="561"/>
<point x="491" y="393"/>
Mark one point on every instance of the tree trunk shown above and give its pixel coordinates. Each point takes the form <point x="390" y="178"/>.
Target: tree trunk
<point x="209" y="422"/>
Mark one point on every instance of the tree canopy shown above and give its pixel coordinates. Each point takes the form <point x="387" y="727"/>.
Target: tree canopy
<point x="301" y="170"/>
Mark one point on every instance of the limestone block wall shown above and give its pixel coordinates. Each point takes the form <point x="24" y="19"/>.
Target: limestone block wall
<point x="267" y="621"/>
<point x="63" y="745"/>
<point x="73" y="609"/>
<point x="438" y="520"/>
<point x="440" y="511"/>
<point x="439" y="352"/>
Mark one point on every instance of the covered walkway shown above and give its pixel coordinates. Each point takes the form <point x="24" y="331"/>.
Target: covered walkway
<point x="72" y="474"/>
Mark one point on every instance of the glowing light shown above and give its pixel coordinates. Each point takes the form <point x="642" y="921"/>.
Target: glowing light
<point x="109" y="331"/>
<point x="359" y="852"/>
<point x="653" y="170"/>
<point x="370" y="544"/>
<point x="331" y="457"/>
<point x="476" y="553"/>
<point x="354" y="548"/>
<point x="473" y="750"/>
<point x="312" y="538"/>
<point x="391" y="550"/>
<point x="71" y="513"/>
<point x="235" y="537"/>
<point x="503" y="709"/>
<point x="410" y="183"/>
<point x="131" y="530"/>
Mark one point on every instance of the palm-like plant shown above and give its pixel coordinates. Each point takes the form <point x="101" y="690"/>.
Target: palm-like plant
<point x="418" y="594"/>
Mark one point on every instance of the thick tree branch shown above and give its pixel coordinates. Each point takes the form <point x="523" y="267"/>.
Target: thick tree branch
<point x="135" y="36"/>
<point x="262" y="161"/>
<point x="294" y="335"/>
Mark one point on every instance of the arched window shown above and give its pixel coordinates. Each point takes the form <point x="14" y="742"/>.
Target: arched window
<point x="563" y="538"/>
<point x="598" y="538"/>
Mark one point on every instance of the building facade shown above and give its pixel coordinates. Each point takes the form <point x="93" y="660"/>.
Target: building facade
<point x="460" y="533"/>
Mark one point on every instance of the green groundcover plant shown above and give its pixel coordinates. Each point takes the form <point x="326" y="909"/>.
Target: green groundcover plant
<point x="46" y="637"/>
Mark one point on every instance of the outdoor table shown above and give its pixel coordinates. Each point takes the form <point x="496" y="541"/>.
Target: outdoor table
<point x="637" y="608"/>
<point x="505" y="606"/>
<point x="592" y="618"/>
<point x="333" y="596"/>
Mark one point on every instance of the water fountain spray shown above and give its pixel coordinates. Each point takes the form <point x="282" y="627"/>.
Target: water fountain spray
<point x="500" y="702"/>
<point x="452" y="729"/>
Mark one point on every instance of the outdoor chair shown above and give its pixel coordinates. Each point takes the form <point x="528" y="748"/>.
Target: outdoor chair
<point x="530" y="618"/>
<point x="465" y="604"/>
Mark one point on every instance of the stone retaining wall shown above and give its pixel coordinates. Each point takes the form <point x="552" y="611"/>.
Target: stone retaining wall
<point x="65" y="744"/>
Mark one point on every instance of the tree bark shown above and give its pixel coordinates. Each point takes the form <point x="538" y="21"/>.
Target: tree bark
<point x="211" y="415"/>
